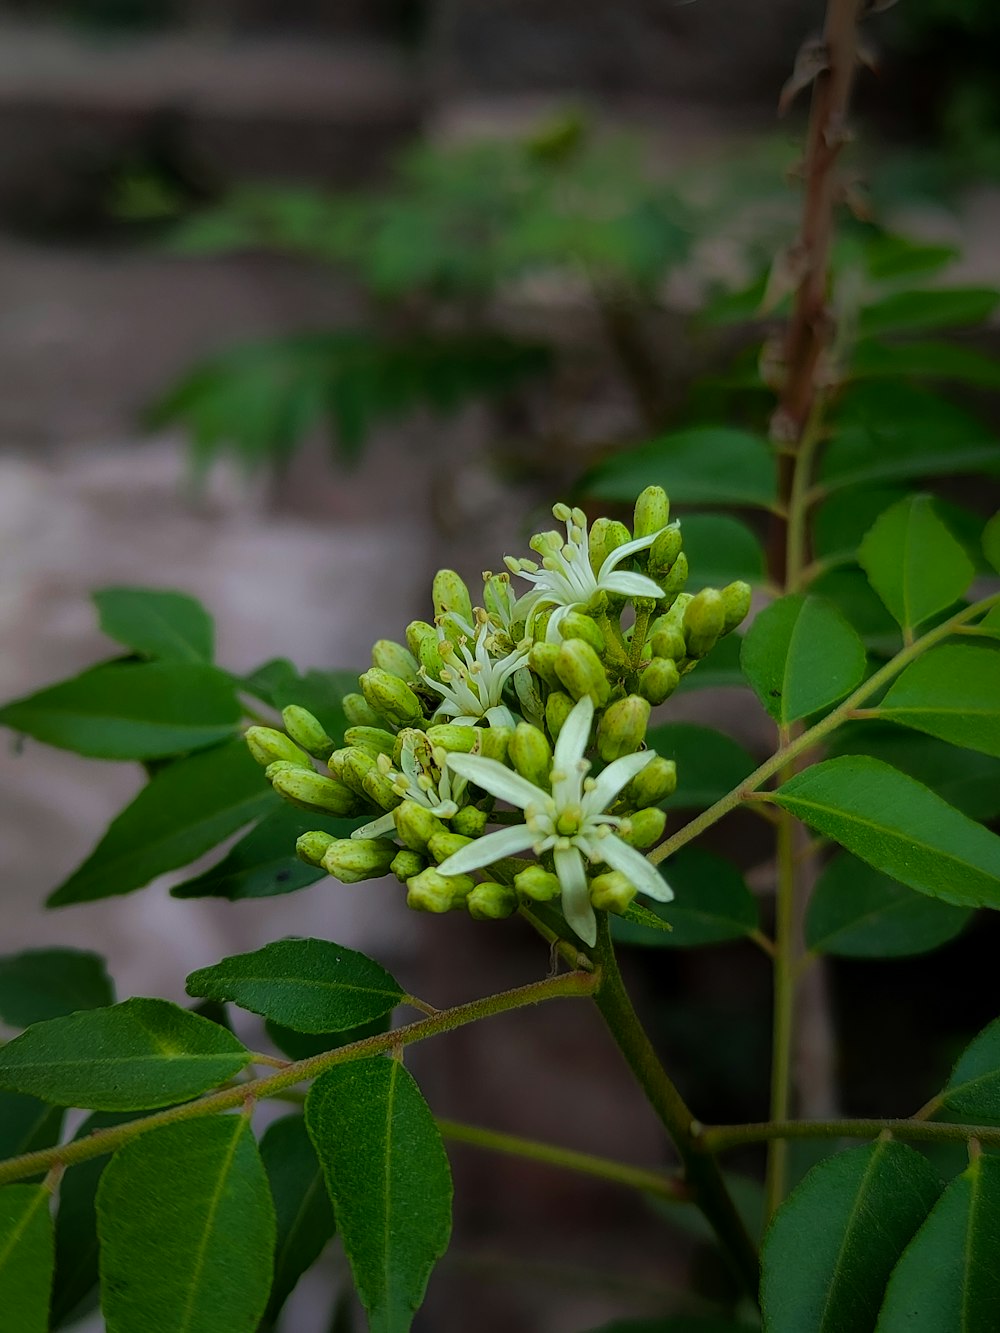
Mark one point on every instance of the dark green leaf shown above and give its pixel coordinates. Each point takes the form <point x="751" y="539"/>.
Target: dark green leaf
<point x="932" y="308"/>
<point x="709" y="764"/>
<point x="711" y="904"/>
<point x="948" y="1277"/>
<point x="308" y="985"/>
<point x="856" y="912"/>
<point x="930" y="360"/>
<point x="849" y="590"/>
<point x="279" y="684"/>
<point x="681" y="1324"/>
<point x="47" y="983"/>
<point x="25" y="1258"/>
<point x="301" y="1045"/>
<point x="389" y="1182"/>
<point x="131" y="711"/>
<point x="899" y="827"/>
<point x="130" y="1057"/>
<point x="800" y="655"/>
<point x="972" y="1093"/>
<point x="952" y="692"/>
<point x="187" y="1231"/>
<point x="888" y="257"/>
<point x="840" y="522"/>
<point x="158" y="623"/>
<point x="832" y="1245"/>
<point x="991" y="541"/>
<point x="643" y="921"/>
<point x="704" y="465"/>
<point x="305" y="1218"/>
<point x="184" y="811"/>
<point x="27" y="1124"/>
<point x="719" y="550"/>
<point x="913" y="562"/>
<point x="721" y="668"/>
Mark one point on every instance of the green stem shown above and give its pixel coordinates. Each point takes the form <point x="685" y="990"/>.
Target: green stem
<point x="603" y="1168"/>
<point x="707" y="1188"/>
<point x="446" y="1020"/>
<point x="784" y="1006"/>
<point x="822" y="729"/>
<point x="720" y="1138"/>
<point x="642" y="618"/>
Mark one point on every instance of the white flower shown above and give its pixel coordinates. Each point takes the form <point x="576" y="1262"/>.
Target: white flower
<point x="566" y="580"/>
<point x="473" y="689"/>
<point x="422" y="777"/>
<point x="570" y="821"/>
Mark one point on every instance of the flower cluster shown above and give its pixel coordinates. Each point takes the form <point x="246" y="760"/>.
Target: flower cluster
<point x="501" y="754"/>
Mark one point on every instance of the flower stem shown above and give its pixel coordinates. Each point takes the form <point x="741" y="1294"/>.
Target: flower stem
<point x="720" y="1138"/>
<point x="784" y="1004"/>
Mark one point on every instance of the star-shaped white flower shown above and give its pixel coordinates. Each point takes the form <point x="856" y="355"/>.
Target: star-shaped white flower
<point x="566" y="580"/>
<point x="570" y="821"/>
<point x="473" y="690"/>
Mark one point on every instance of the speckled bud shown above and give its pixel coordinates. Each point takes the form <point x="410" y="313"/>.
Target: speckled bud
<point x="612" y="892"/>
<point x="531" y="754"/>
<point x="269" y="746"/>
<point x="423" y="642"/>
<point x="359" y="712"/>
<point x="537" y="883"/>
<point x="416" y="825"/>
<point x="542" y="661"/>
<point x="312" y="847"/>
<point x="659" y="680"/>
<point x="491" y="902"/>
<point x="669" y="642"/>
<point x="392" y="697"/>
<point x="558" y="707"/>
<point x="581" y="672"/>
<point x="673" y="583"/>
<point x="664" y="551"/>
<point x="575" y="625"/>
<point x="494" y="742"/>
<point x="652" y="512"/>
<point x="453" y="738"/>
<point x="405" y="864"/>
<point x="445" y="844"/>
<point x="373" y="740"/>
<point x="704" y="620"/>
<point x="644" y="828"/>
<point x="312" y="791"/>
<point x="735" y="605"/>
<point x="350" y="765"/>
<point x="469" y="821"/>
<point x="451" y="597"/>
<point x="307" y="730"/>
<point x="606" y="535"/>
<point x="653" y="784"/>
<point x="499" y="597"/>
<point x="390" y="656"/>
<point x="622" y="728"/>
<point x="377" y="786"/>
<point x="352" y="860"/>
<point x="430" y="891"/>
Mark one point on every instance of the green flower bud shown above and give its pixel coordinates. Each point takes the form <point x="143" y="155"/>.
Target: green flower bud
<point x="469" y="821"/>
<point x="575" y="625"/>
<point x="444" y="844"/>
<point x="499" y="597"/>
<point x="359" y="712"/>
<point x="352" y="860"/>
<point x="537" y="883"/>
<point x="451" y="597"/>
<point x="312" y="847"/>
<point x="669" y="642"/>
<point x="350" y="765"/>
<point x="312" y="791"/>
<point x="528" y="695"/>
<point x="652" y="784"/>
<point x="606" y="535"/>
<point x="531" y="754"/>
<point x="430" y="891"/>
<point x="491" y="902"/>
<point x="307" y="730"/>
<point x="622" y="728"/>
<point x="416" y="825"/>
<point x="558" y="707"/>
<point x="664" y="551"/>
<point x="580" y="670"/>
<point x="659" y="680"/>
<point x="542" y="661"/>
<point x="378" y="787"/>
<point x="644" y="828"/>
<point x="704" y="620"/>
<point x="675" y="579"/>
<point x="392" y="697"/>
<point x="422" y="641"/>
<point x="453" y="738"/>
<point x="396" y="660"/>
<point x="735" y="605"/>
<point x="269" y="746"/>
<point x="373" y="740"/>
<point x="494" y="742"/>
<point x="405" y="864"/>
<point x="652" y="512"/>
<point x="612" y="892"/>
<point x="282" y="766"/>
<point x="540" y="624"/>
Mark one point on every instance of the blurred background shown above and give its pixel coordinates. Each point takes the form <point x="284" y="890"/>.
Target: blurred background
<point x="303" y="300"/>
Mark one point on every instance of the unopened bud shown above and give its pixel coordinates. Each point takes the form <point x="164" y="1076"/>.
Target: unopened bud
<point x="405" y="864"/>
<point x="312" y="847"/>
<point x="423" y="642"/>
<point x="612" y="892"/>
<point x="453" y="738"/>
<point x="528" y="695"/>
<point x="269" y="746"/>
<point x="575" y="625"/>
<point x="392" y="697"/>
<point x="581" y="672"/>
<point x="669" y="642"/>
<point x="537" y="883"/>
<point x="352" y="860"/>
<point x="378" y="787"/>
<point x="396" y="660"/>
<point x="491" y="902"/>
<point x="735" y="605"/>
<point x="558" y="707"/>
<point x="373" y="740"/>
<point x="644" y="828"/>
<point x="470" y="821"/>
<point x="445" y="844"/>
<point x="664" y="551"/>
<point x="430" y="891"/>
<point x="652" y="512"/>
<point x="704" y="620"/>
<point x="451" y="598"/>
<point x="531" y="754"/>
<point x="494" y="742"/>
<point x="312" y="791"/>
<point x="350" y="765"/>
<point x="416" y="825"/>
<point x="606" y="535"/>
<point x="622" y="728"/>
<point x="659" y="680"/>
<point x="542" y="661"/>
<point x="307" y="730"/>
<point x="359" y="712"/>
<point x="499" y="597"/>
<point x="675" y="579"/>
<point x="652" y="784"/>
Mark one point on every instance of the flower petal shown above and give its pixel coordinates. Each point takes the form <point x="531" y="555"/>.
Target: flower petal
<point x="646" y="878"/>
<point x="608" y="784"/>
<point x="378" y="828"/>
<point x="575" y="733"/>
<point x="576" y="906"/>
<point x="484" y="851"/>
<point x="623" y="552"/>
<point x="631" y="585"/>
<point x="497" y="779"/>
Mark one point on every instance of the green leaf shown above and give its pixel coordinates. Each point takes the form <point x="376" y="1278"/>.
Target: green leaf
<point x="681" y="1324"/>
<point x="47" y="983"/>
<point x="913" y="562"/>
<point x="952" y="692"/>
<point x="899" y="827"/>
<point x="703" y="465"/>
<point x="800" y="655"/>
<point x="187" y="1231"/>
<point x="853" y="596"/>
<point x="279" y="684"/>
<point x="709" y="764"/>
<point x="301" y="1045"/>
<point x="637" y="916"/>
<point x="131" y="711"/>
<point x="932" y="308"/>
<point x="948" y="1277"/>
<point x="711" y="904"/>
<point x="972" y="1093"/>
<point x="991" y="541"/>
<point x="26" y="1124"/>
<point x="184" y="811"/>
<point x="719" y="550"/>
<point x="888" y="257"/>
<point x="389" y="1182"/>
<point x="841" y="521"/>
<point x="832" y="1245"/>
<point x="721" y="668"/>
<point x="307" y="985"/>
<point x="130" y="1057"/>
<point x="856" y="912"/>
<point x="263" y="863"/>
<point x="25" y="1258"/>
<point x="157" y="623"/>
<point x="304" y="1215"/>
<point x="924" y="360"/>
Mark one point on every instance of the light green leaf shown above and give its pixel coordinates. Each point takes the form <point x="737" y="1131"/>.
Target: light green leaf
<point x="800" y="655"/>
<point x="187" y="1231"/>
<point x="709" y="764"/>
<point x="856" y="912"/>
<point x="304" y="1215"/>
<point x="932" y="308"/>
<point x="263" y="863"/>
<point x="643" y="921"/>
<point x="952" y="692"/>
<point x="948" y="1277"/>
<point x="924" y="360"/>
<point x="47" y="983"/>
<point x="703" y="465"/>
<point x="126" y="710"/>
<point x="719" y="550"/>
<point x="991" y="541"/>
<point x="25" y="1258"/>
<point x="711" y="904"/>
<point x="972" y="1093"/>
<point x="130" y="1057"/>
<point x="307" y="985"/>
<point x="913" y="562"/>
<point x="27" y="1124"/>
<point x="389" y="1182"/>
<point x="184" y="811"/>
<point x="833" y="1243"/>
<point x="157" y="623"/>
<point x="899" y="827"/>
